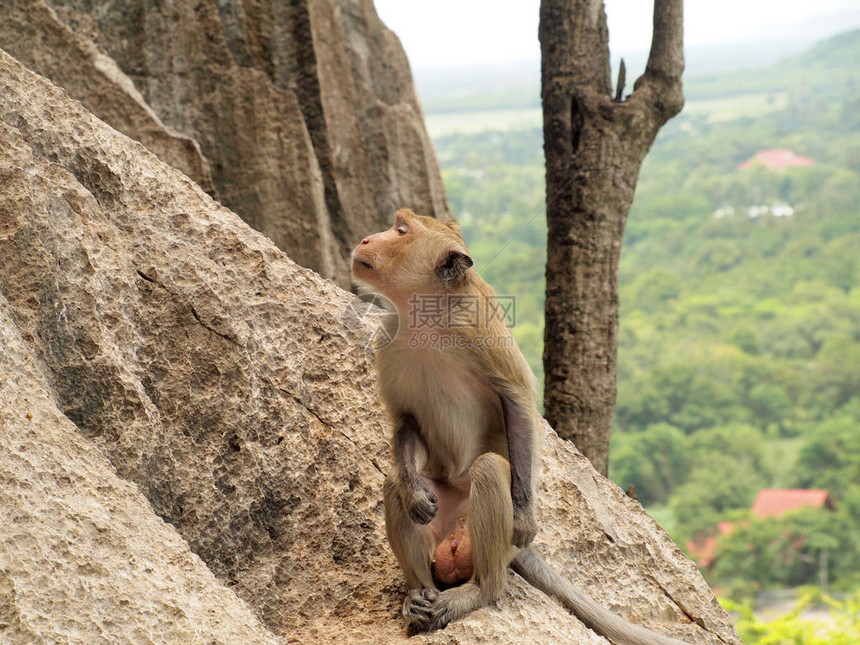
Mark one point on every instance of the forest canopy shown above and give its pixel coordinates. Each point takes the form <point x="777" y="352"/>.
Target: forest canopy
<point x="739" y="337"/>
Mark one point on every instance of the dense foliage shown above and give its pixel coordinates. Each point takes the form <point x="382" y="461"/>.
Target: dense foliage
<point x="840" y="625"/>
<point x="740" y="330"/>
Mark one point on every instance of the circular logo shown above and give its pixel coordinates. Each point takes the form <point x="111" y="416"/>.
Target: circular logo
<point x="374" y="318"/>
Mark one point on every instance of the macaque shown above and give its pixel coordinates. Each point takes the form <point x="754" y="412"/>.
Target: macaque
<point x="460" y="503"/>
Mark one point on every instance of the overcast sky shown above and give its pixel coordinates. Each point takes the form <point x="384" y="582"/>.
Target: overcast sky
<point x="438" y="33"/>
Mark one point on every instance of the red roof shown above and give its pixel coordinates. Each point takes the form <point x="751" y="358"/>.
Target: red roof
<point x="776" y="160"/>
<point x="773" y="502"/>
<point x="770" y="502"/>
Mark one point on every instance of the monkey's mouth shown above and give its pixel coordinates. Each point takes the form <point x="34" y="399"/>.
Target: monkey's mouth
<point x="367" y="265"/>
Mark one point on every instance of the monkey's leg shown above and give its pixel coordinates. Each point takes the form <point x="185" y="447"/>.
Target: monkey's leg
<point x="413" y="545"/>
<point x="491" y="525"/>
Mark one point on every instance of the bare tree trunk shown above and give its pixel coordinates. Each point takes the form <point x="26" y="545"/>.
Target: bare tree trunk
<point x="594" y="148"/>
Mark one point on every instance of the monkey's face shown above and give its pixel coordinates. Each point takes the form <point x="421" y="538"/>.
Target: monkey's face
<point x="416" y="255"/>
<point x="375" y="259"/>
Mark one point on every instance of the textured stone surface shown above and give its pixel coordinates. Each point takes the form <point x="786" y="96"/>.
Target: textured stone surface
<point x="305" y="111"/>
<point x="83" y="558"/>
<point x="151" y="326"/>
<point x="33" y="34"/>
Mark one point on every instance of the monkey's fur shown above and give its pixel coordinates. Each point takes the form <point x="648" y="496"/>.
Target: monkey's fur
<point x="466" y="435"/>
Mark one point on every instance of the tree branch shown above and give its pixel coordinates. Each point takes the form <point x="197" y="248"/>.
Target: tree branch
<point x="666" y="59"/>
<point x="622" y="79"/>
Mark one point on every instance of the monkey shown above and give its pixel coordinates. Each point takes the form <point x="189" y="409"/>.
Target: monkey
<point x="460" y="501"/>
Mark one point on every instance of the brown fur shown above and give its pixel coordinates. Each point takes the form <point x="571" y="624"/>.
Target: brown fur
<point x="460" y="502"/>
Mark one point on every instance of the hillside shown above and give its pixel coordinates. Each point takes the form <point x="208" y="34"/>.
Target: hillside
<point x="825" y="66"/>
<point x="192" y="448"/>
<point x="740" y="305"/>
<point x="516" y="85"/>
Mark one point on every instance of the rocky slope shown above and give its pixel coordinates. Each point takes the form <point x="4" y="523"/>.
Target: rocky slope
<point x="305" y="113"/>
<point x="160" y="361"/>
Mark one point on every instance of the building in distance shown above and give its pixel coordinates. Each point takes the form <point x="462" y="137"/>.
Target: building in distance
<point x="780" y="159"/>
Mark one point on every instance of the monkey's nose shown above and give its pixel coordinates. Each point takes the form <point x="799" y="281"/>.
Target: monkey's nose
<point x="366" y="240"/>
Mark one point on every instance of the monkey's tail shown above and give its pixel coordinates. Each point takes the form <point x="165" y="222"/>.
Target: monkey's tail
<point x="536" y="572"/>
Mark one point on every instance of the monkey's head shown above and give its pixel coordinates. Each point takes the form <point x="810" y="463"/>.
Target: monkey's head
<point x="416" y="255"/>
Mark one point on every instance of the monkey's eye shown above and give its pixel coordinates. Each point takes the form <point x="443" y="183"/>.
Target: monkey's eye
<point x="402" y="229"/>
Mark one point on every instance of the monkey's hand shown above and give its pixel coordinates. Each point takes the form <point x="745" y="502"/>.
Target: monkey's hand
<point x="525" y="526"/>
<point x="418" y="610"/>
<point x="419" y="501"/>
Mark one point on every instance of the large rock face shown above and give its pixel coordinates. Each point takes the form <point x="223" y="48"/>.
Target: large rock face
<point x="161" y="359"/>
<point x="305" y="112"/>
<point x="40" y="40"/>
<point x="83" y="558"/>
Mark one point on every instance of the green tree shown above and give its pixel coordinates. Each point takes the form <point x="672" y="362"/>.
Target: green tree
<point x="712" y="491"/>
<point x="830" y="457"/>
<point x="843" y="628"/>
<point x="656" y="461"/>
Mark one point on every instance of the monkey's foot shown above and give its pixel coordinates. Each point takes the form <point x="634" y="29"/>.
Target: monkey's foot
<point x="455" y="603"/>
<point x="442" y="615"/>
<point x="418" y="610"/>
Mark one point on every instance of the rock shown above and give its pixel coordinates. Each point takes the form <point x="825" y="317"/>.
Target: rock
<point x="145" y="324"/>
<point x="32" y="33"/>
<point x="83" y="559"/>
<point x="305" y="111"/>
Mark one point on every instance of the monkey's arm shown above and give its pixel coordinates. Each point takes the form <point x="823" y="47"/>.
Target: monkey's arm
<point x="520" y="432"/>
<point x="415" y="495"/>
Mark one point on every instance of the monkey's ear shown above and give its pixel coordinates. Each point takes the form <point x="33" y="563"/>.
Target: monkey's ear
<point x="453" y="265"/>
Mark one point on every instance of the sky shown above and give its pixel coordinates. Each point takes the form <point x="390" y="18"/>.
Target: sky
<point x="442" y="33"/>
